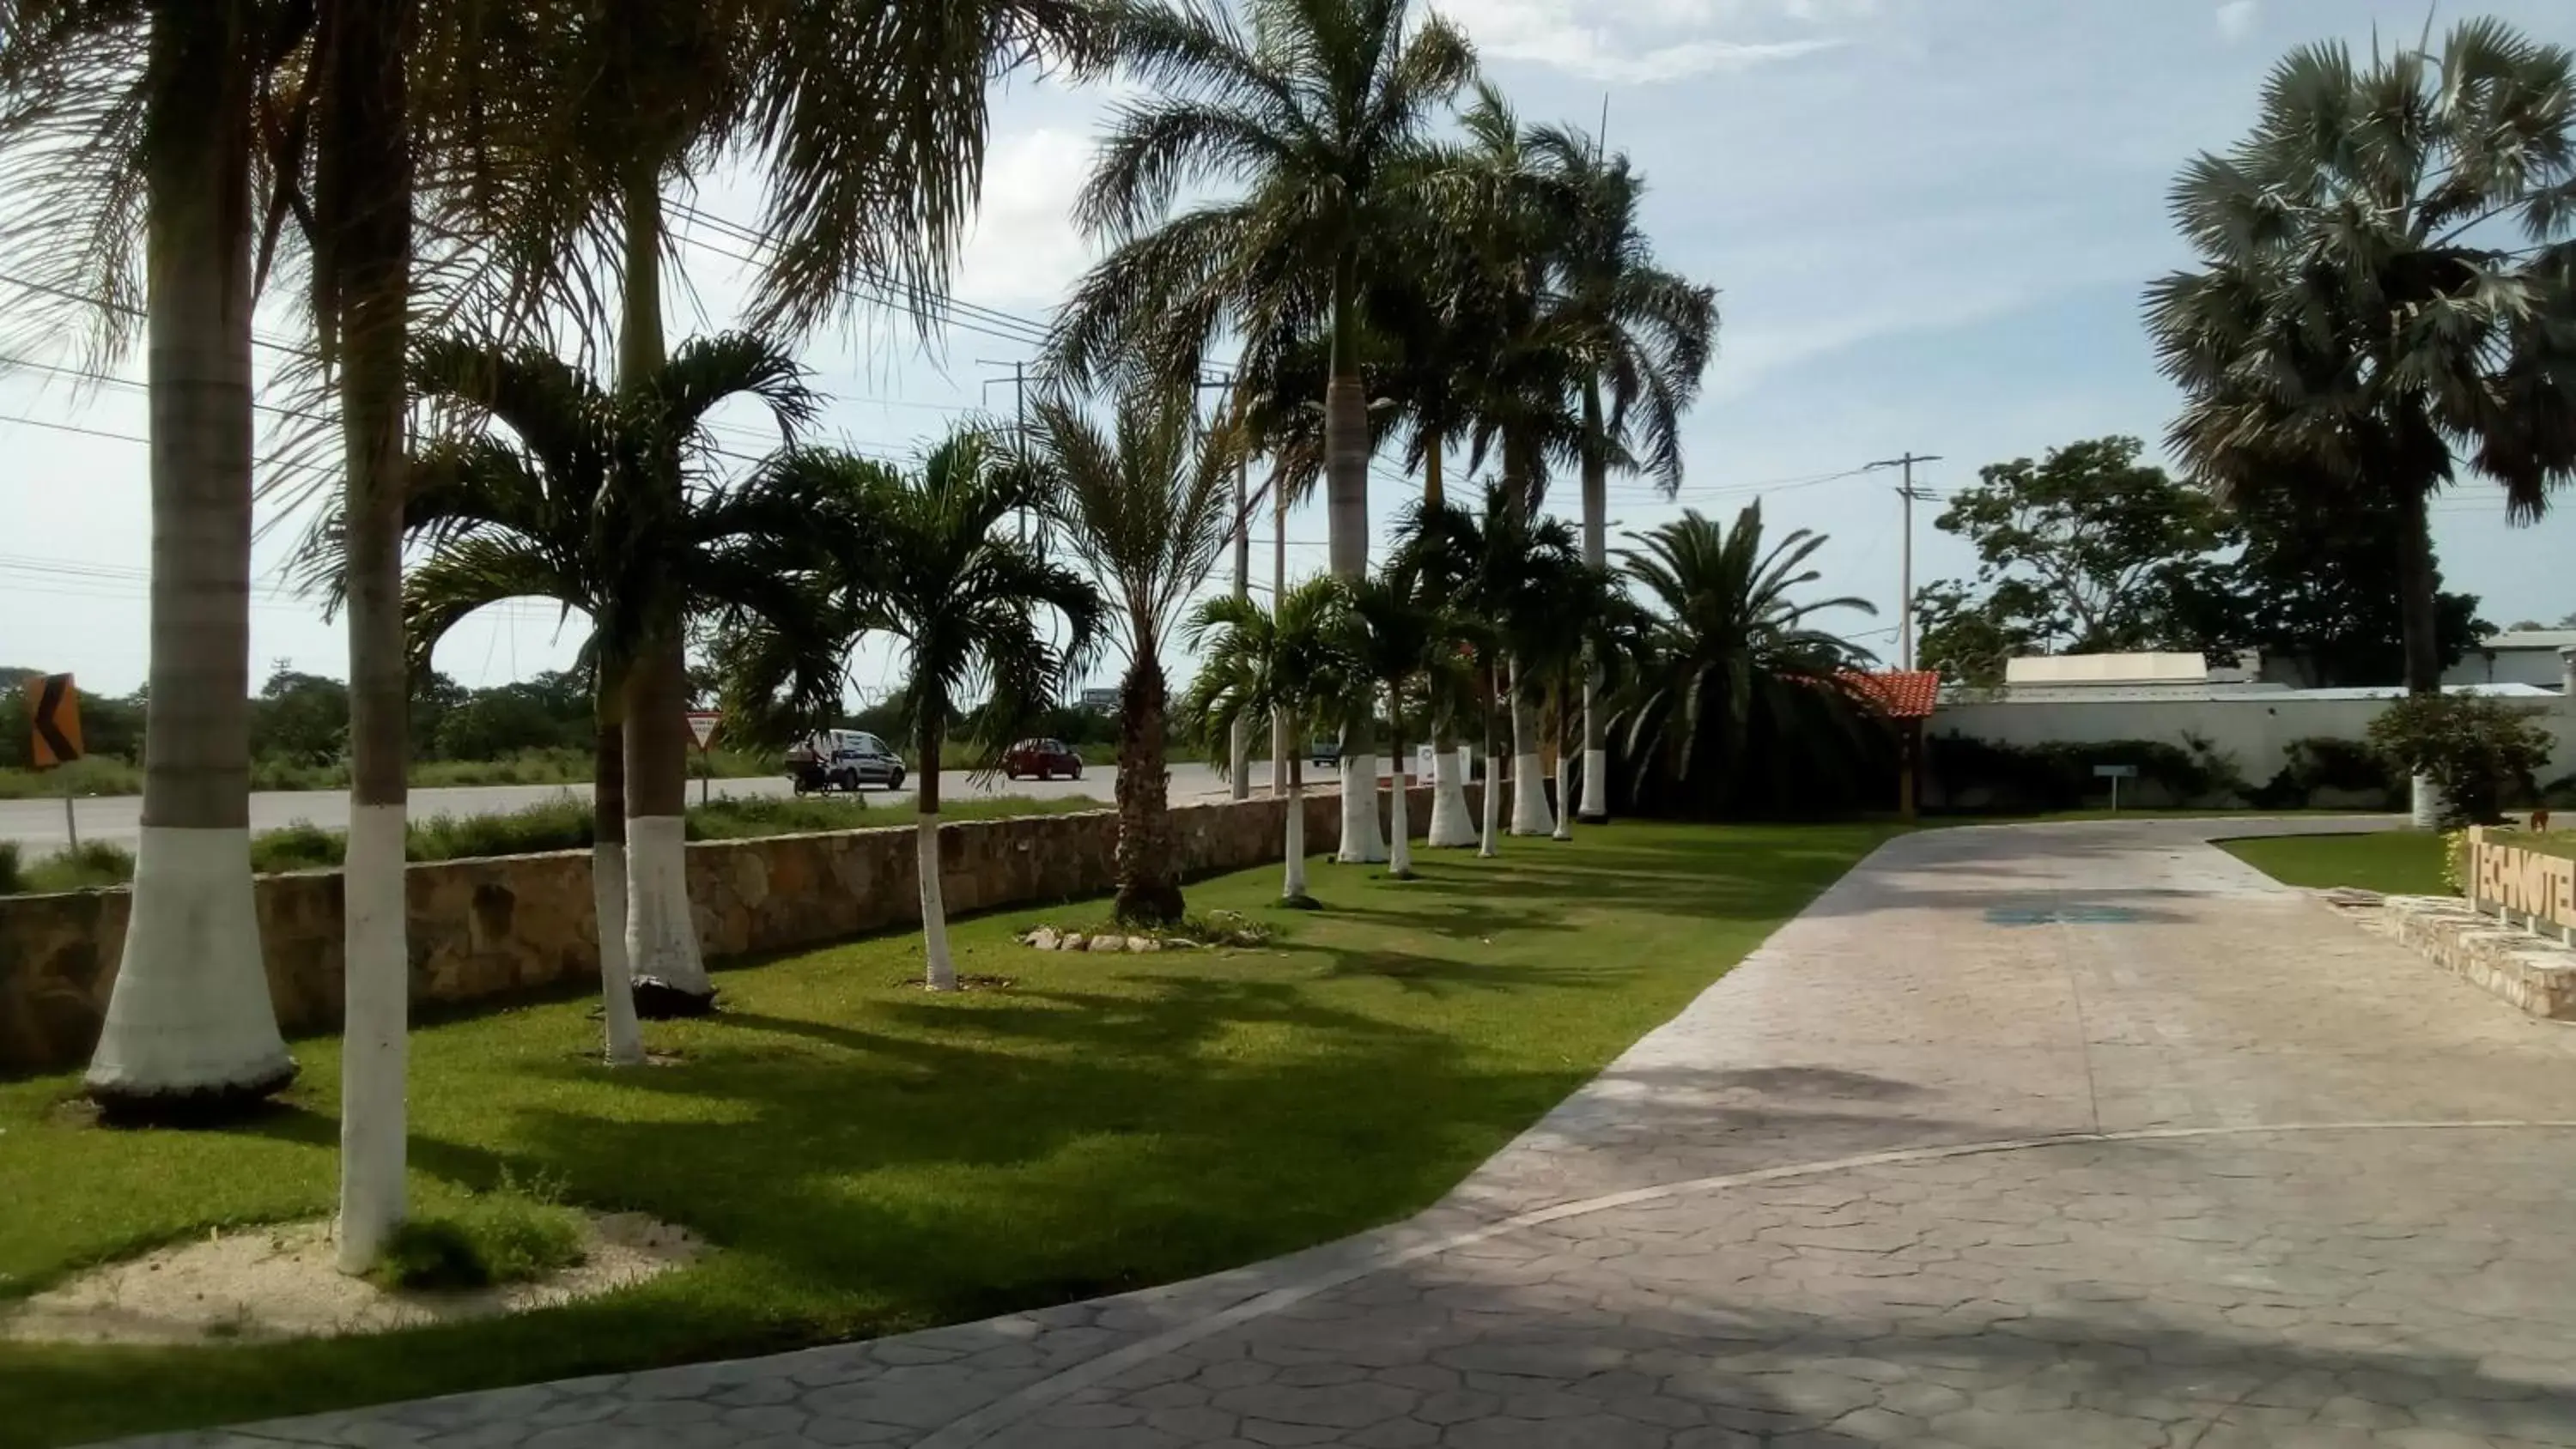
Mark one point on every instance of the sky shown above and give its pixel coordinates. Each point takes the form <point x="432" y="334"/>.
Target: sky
<point x="1929" y="222"/>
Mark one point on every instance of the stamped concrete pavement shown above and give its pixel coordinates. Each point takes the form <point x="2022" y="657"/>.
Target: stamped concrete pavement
<point x="2033" y="1136"/>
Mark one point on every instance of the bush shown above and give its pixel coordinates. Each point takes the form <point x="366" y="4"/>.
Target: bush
<point x="507" y="1235"/>
<point x="95" y="866"/>
<point x="300" y="846"/>
<point x="1972" y="774"/>
<point x="563" y="823"/>
<point x="2474" y="748"/>
<point x="2339" y="771"/>
<point x="9" y="879"/>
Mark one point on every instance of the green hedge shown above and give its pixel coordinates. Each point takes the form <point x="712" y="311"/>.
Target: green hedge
<point x="1980" y="775"/>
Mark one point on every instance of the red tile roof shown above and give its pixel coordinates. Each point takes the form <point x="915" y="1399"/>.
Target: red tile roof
<point x="1901" y="693"/>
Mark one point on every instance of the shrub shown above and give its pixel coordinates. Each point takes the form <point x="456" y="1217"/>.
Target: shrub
<point x="97" y="865"/>
<point x="2455" y="862"/>
<point x="2320" y="765"/>
<point x="2474" y="748"/>
<point x="300" y="846"/>
<point x="563" y="823"/>
<point x="9" y="881"/>
<point x="508" y="1235"/>
<point x="1978" y="774"/>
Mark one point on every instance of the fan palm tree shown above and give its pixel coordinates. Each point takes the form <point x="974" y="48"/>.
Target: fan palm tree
<point x="1732" y="655"/>
<point x="1316" y="111"/>
<point x="925" y="560"/>
<point x="865" y="119"/>
<point x="1640" y="337"/>
<point x="1148" y="510"/>
<point x="2386" y="287"/>
<point x="127" y="150"/>
<point x="1289" y="663"/>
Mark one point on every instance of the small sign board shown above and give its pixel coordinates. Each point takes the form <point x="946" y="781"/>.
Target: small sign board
<point x="702" y="726"/>
<point x="2115" y="772"/>
<point x="53" y="713"/>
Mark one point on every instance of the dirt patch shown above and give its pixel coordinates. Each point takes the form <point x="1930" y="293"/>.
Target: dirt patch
<point x="253" y="1285"/>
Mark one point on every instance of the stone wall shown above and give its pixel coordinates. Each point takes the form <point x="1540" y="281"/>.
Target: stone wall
<point x="511" y="925"/>
<point x="2532" y="972"/>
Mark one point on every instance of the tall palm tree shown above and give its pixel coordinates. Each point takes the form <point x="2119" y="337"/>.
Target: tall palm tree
<point x="2386" y="287"/>
<point x="1290" y="664"/>
<point x="1147" y="509"/>
<point x="126" y="129"/>
<point x="926" y="560"/>
<point x="1641" y="338"/>
<point x="1732" y="657"/>
<point x="865" y="120"/>
<point x="1583" y="628"/>
<point x="1316" y="113"/>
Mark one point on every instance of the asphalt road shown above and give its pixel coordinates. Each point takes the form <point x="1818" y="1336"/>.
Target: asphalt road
<point x="37" y="825"/>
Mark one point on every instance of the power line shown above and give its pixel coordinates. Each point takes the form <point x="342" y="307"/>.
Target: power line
<point x="1025" y="334"/>
<point x="888" y="289"/>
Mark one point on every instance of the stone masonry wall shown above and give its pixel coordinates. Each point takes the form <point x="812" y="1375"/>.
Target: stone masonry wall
<point x="507" y="926"/>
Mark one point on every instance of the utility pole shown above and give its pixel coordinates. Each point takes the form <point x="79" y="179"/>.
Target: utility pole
<point x="1905" y="598"/>
<point x="1019" y="381"/>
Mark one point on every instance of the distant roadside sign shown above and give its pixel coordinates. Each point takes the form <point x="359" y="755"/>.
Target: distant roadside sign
<point x="53" y="711"/>
<point x="702" y="726"/>
<point x="2115" y="772"/>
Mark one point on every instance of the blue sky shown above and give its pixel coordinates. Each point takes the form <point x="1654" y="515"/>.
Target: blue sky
<point x="1929" y="220"/>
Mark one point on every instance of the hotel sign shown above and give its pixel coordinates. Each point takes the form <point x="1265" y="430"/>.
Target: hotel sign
<point x="2535" y="886"/>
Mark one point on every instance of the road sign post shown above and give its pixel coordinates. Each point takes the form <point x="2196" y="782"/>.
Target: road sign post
<point x="54" y="735"/>
<point x="2115" y="774"/>
<point x="702" y="728"/>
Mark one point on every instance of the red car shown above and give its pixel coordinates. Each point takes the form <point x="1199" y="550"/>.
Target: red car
<point x="1041" y="759"/>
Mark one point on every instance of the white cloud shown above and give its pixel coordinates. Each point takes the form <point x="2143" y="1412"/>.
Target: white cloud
<point x="1026" y="248"/>
<point x="1652" y="40"/>
<point x="2236" y="19"/>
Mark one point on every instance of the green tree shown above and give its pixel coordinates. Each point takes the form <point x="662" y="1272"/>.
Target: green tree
<point x="300" y="719"/>
<point x="2474" y="749"/>
<point x="1402" y="640"/>
<point x="1147" y="509"/>
<point x="1290" y="664"/>
<point x="2384" y="291"/>
<point x="1314" y="114"/>
<point x="522" y="495"/>
<point x="2089" y="550"/>
<point x="1737" y="681"/>
<point x="927" y="560"/>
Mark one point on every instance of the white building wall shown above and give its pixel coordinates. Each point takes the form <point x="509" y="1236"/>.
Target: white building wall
<point x="2254" y="732"/>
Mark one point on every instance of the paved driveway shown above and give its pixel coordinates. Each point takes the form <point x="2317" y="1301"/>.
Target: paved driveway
<point x="2043" y="1136"/>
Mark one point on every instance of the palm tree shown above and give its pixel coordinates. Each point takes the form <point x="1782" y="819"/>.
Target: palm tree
<point x="2357" y="328"/>
<point x="865" y="120"/>
<point x="1148" y="510"/>
<point x="1583" y="628"/>
<point x="926" y="559"/>
<point x="1496" y="565"/>
<point x="1317" y="110"/>
<point x="1732" y="659"/>
<point x="127" y="129"/>
<point x="1400" y="639"/>
<point x="1288" y="663"/>
<point x="521" y="495"/>
<point x="1641" y="338"/>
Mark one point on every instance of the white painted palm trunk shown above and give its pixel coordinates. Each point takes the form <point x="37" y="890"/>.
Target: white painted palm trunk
<point x="2427" y="803"/>
<point x="1453" y="825"/>
<point x="623" y="1040"/>
<point x="661" y="935"/>
<point x="1493" y="806"/>
<point x="1564" y="792"/>
<point x="190" y="1013"/>
<point x="1363" y="841"/>
<point x="375" y="1042"/>
<point x="1530" y="815"/>
<point x="1596" y="785"/>
<point x="1292" y="875"/>
<point x="942" y="970"/>
<point x="1399" y="827"/>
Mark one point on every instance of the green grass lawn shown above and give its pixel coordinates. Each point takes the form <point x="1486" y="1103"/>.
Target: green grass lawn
<point x="2394" y="862"/>
<point x="868" y="1158"/>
